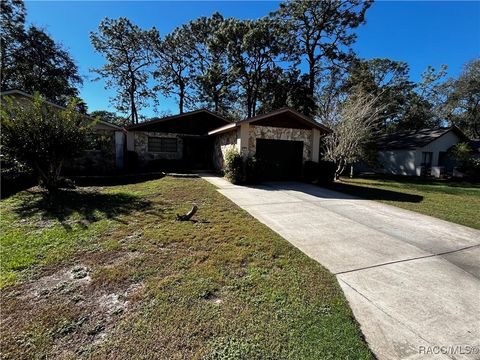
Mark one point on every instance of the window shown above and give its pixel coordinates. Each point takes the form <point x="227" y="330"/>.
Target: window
<point x="157" y="144"/>
<point x="427" y="159"/>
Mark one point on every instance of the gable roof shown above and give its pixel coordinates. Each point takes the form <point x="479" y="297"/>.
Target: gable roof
<point x="184" y="115"/>
<point x="31" y="97"/>
<point x="269" y="120"/>
<point x="413" y="139"/>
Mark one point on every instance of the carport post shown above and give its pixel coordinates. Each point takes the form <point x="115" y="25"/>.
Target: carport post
<point x="244" y="133"/>
<point x="316" y="145"/>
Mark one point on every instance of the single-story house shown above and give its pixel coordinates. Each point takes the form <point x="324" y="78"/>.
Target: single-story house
<point x="181" y="138"/>
<point x="284" y="139"/>
<point x="418" y="152"/>
<point x="107" y="149"/>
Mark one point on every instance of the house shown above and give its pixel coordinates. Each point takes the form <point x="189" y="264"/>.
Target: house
<point x="284" y="139"/>
<point x="418" y="152"/>
<point x="178" y="139"/>
<point x="107" y="149"/>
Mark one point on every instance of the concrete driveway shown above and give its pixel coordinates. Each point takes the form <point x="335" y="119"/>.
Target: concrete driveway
<point x="413" y="281"/>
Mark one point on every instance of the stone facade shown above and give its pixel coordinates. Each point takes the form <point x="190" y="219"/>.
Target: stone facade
<point x="232" y="139"/>
<point x="141" y="147"/>
<point x="276" y="133"/>
<point x="222" y="143"/>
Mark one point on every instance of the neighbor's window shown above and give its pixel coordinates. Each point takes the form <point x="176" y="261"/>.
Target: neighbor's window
<point x="157" y="144"/>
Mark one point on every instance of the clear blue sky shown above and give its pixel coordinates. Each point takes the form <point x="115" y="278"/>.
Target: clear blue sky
<point x="420" y="33"/>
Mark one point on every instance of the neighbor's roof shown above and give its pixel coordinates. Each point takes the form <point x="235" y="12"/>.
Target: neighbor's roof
<point x="295" y="114"/>
<point x="175" y="117"/>
<point x="413" y="139"/>
<point x="24" y="94"/>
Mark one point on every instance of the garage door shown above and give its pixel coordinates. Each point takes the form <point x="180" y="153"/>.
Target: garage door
<point x="281" y="159"/>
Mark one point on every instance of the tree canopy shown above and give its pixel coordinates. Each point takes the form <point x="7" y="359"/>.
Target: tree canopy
<point x="32" y="61"/>
<point x="129" y="51"/>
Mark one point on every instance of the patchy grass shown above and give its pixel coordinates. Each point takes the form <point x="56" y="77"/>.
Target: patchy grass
<point x="451" y="201"/>
<point x="108" y="273"/>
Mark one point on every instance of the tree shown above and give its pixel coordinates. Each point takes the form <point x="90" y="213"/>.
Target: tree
<point x="173" y="66"/>
<point x="212" y="81"/>
<point x="463" y="103"/>
<point x="109" y="117"/>
<point x="12" y="32"/>
<point x="32" y="61"/>
<point x="43" y="66"/>
<point x="43" y="137"/>
<point x="128" y="51"/>
<point x="284" y="89"/>
<point x="353" y="129"/>
<point x="321" y="32"/>
<point x="253" y="47"/>
<point x="388" y="80"/>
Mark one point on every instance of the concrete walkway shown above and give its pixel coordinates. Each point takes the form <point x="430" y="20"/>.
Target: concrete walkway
<point x="413" y="281"/>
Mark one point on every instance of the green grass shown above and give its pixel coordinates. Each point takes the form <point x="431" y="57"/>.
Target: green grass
<point x="223" y="287"/>
<point x="451" y="201"/>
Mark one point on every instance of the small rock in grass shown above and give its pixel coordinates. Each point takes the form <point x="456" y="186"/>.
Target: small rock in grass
<point x="79" y="272"/>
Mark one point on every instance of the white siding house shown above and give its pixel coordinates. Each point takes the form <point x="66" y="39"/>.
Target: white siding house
<point x="417" y="153"/>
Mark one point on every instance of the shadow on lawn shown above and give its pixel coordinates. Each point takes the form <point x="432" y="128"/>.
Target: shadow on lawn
<point x="82" y="207"/>
<point x="371" y="193"/>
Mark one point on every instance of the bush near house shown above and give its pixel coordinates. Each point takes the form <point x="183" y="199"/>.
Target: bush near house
<point x="43" y="138"/>
<point x="322" y="172"/>
<point x="233" y="166"/>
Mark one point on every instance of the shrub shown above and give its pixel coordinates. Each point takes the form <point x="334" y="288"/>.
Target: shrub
<point x="326" y="172"/>
<point x="253" y="170"/>
<point x="233" y="166"/>
<point x="131" y="161"/>
<point x="322" y="172"/>
<point x="43" y="137"/>
<point x="310" y="171"/>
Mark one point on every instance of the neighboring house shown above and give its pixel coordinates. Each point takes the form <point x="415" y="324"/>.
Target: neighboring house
<point x="107" y="151"/>
<point x="418" y="152"/>
<point x="284" y="139"/>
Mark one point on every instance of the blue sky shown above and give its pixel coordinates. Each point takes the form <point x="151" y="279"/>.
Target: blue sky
<point x="420" y="33"/>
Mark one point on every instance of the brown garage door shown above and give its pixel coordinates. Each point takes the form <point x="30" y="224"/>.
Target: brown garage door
<point x="281" y="159"/>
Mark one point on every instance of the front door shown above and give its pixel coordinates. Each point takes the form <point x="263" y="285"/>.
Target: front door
<point x="198" y="153"/>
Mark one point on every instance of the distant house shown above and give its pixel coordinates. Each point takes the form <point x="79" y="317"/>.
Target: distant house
<point x="284" y="139"/>
<point x="107" y="149"/>
<point x="418" y="152"/>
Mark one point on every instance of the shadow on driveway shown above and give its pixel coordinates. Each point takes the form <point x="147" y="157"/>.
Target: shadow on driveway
<point x="341" y="191"/>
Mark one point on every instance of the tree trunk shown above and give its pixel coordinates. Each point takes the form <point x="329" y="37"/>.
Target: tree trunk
<point x="310" y="103"/>
<point x="182" y="96"/>
<point x="188" y="215"/>
<point x="133" y="110"/>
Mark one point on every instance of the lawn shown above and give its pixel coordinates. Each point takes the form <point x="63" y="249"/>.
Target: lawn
<point x="451" y="201"/>
<point x="108" y="273"/>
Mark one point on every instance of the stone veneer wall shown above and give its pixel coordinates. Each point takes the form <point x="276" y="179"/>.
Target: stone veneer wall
<point x="141" y="147"/>
<point x="276" y="133"/>
<point x="222" y="143"/>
